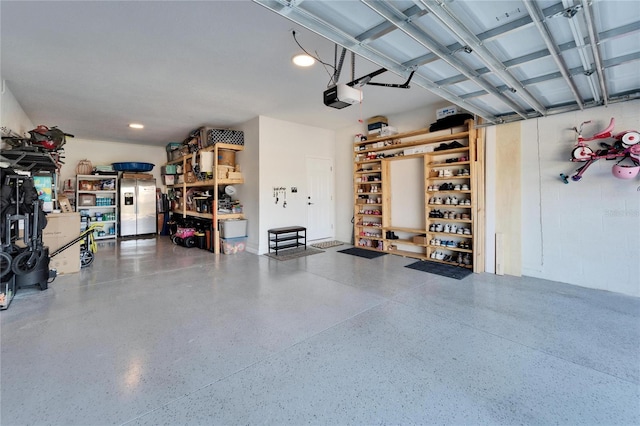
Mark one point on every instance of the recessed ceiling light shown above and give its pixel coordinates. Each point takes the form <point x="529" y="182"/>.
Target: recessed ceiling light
<point x="136" y="126"/>
<point x="303" y="60"/>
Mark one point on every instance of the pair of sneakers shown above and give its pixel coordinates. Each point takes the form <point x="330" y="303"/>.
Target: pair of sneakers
<point x="435" y="200"/>
<point x="450" y="228"/>
<point x="436" y="227"/>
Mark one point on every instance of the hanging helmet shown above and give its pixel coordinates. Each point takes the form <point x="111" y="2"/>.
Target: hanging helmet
<point x="622" y="171"/>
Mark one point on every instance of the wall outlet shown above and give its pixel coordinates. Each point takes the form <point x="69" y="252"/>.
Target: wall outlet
<point x="294" y="189"/>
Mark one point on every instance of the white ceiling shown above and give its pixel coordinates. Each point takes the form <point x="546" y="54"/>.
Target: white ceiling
<point x="93" y="67"/>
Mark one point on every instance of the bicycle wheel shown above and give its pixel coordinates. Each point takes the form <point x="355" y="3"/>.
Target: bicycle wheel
<point x="86" y="258"/>
<point x="582" y="153"/>
<point x="5" y="263"/>
<point x="26" y="261"/>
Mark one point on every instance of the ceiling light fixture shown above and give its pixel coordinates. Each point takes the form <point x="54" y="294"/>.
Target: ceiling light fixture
<point x="303" y="60"/>
<point x="136" y="126"/>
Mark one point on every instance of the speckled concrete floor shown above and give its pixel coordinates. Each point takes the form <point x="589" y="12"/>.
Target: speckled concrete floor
<point x="158" y="334"/>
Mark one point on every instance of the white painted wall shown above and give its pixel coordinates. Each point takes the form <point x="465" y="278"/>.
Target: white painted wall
<point x="585" y="233"/>
<point x="107" y="152"/>
<point x="12" y="115"/>
<point x="284" y="147"/>
<point x="249" y="192"/>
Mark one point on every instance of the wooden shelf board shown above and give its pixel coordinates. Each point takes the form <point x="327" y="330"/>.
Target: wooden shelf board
<point x="451" y="248"/>
<point x="408" y="254"/>
<point x="449" y="206"/>
<point x="449" y="234"/>
<point x="401" y="229"/>
<point x="449" y="192"/>
<point x="449" y="177"/>
<point x="404" y="241"/>
<point x="436" y="219"/>
<point x="424" y="141"/>
<point x="458" y="163"/>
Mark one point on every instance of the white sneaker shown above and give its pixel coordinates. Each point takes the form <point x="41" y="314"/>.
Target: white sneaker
<point x="460" y="231"/>
<point x="448" y="200"/>
<point x="447" y="228"/>
<point x="454" y="200"/>
<point x="453" y="229"/>
<point x="465" y="187"/>
<point x="438" y="200"/>
<point x="447" y="173"/>
<point x="440" y="173"/>
<point x="438" y="227"/>
<point x="433" y="255"/>
<point x="440" y="256"/>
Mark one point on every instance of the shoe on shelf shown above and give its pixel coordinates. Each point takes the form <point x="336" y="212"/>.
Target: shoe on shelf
<point x="447" y="201"/>
<point x="438" y="200"/>
<point x="466" y="231"/>
<point x="440" y="255"/>
<point x="432" y="255"/>
<point x="432" y="227"/>
<point x="455" y="144"/>
<point x="438" y="227"/>
<point x="454" y="200"/>
<point x="453" y="229"/>
<point x="459" y="259"/>
<point x="465" y="187"/>
<point x="441" y="147"/>
<point x="447" y="258"/>
<point x="466" y="259"/>
<point x="447" y="173"/>
<point x="460" y="231"/>
<point x="447" y="228"/>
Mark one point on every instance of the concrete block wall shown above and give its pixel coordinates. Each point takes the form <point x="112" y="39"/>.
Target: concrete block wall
<point x="585" y="233"/>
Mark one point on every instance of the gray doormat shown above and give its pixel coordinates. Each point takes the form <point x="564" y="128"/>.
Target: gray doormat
<point x="293" y="253"/>
<point x="450" y="271"/>
<point x="327" y="244"/>
<point x="367" y="254"/>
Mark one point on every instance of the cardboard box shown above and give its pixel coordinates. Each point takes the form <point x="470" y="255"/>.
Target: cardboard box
<point x="420" y="239"/>
<point x="137" y="176"/>
<point x="169" y="179"/>
<point x="86" y="200"/>
<point x="446" y="111"/>
<point x="378" y="119"/>
<point x="62" y="228"/>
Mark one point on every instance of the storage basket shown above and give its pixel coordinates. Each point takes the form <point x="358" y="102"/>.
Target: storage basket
<point x="84" y="167"/>
<point x="234" y="137"/>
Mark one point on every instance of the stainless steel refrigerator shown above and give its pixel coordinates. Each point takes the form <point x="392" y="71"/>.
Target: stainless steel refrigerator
<point x="137" y="207"/>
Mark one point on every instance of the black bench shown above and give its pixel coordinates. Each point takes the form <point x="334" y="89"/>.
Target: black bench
<point x="287" y="237"/>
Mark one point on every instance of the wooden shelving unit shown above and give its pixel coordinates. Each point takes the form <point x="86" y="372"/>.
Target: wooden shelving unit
<point x="373" y="227"/>
<point x="213" y="184"/>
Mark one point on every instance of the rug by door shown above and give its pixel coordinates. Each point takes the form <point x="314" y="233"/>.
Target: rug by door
<point x="450" y="271"/>
<point x="327" y="244"/>
<point x="367" y="254"/>
<point x="293" y="253"/>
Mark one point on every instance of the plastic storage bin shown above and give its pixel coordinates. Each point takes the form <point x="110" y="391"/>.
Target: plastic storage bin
<point x="233" y="245"/>
<point x="233" y="228"/>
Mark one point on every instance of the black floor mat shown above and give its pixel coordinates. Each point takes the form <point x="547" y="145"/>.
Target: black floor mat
<point x="355" y="251"/>
<point x="457" y="272"/>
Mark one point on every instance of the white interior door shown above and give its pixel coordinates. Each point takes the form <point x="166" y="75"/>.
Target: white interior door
<point x="319" y="198"/>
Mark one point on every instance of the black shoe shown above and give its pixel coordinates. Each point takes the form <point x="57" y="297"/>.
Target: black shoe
<point x="442" y="147"/>
<point x="455" y="144"/>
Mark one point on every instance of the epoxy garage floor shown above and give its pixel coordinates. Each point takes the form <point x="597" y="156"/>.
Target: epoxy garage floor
<point x="158" y="334"/>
